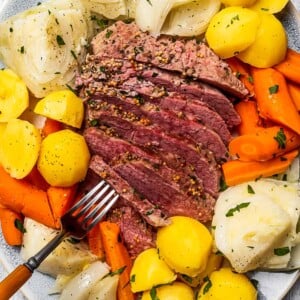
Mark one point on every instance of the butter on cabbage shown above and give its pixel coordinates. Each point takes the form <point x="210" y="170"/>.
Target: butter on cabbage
<point x="255" y="224"/>
<point x="44" y="44"/>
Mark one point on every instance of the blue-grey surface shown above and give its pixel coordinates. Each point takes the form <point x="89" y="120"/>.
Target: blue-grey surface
<point x="37" y="288"/>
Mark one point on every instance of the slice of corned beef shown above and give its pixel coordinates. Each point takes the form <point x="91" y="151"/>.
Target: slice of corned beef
<point x="159" y="192"/>
<point x="186" y="56"/>
<point x="175" y="184"/>
<point x="170" y="122"/>
<point x="146" y="209"/>
<point x="176" y="153"/>
<point x="133" y="78"/>
<point x="136" y="234"/>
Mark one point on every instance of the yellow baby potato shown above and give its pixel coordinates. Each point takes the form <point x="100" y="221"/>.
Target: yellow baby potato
<point x="174" y="291"/>
<point x="63" y="106"/>
<point x="270" y="45"/>
<point x="232" y="30"/>
<point x="269" y="6"/>
<point x="149" y="270"/>
<point x="19" y="148"/>
<point x="14" y="98"/>
<point x="244" y="3"/>
<point x="224" y="284"/>
<point x="184" y="245"/>
<point x="214" y="263"/>
<point x="64" y="158"/>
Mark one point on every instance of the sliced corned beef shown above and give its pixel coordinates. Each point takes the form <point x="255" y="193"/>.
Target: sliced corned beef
<point x="195" y="132"/>
<point x="186" y="56"/>
<point x="146" y="209"/>
<point x="136" y="234"/>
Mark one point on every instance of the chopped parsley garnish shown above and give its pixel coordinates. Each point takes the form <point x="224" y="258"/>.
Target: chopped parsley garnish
<point x="132" y="278"/>
<point x="187" y="278"/>
<point x="231" y="211"/>
<point x="117" y="272"/>
<point x="264" y="9"/>
<point x="108" y="33"/>
<point x="207" y="286"/>
<point x="223" y="185"/>
<point x="102" y="23"/>
<point x="250" y="79"/>
<point x="149" y="2"/>
<point x="281" y="251"/>
<point x="22" y="50"/>
<point x="153" y="294"/>
<point x="280" y="139"/>
<point x="60" y="41"/>
<point x="19" y="225"/>
<point x="11" y="29"/>
<point x="73" y="54"/>
<point x="94" y="122"/>
<point x="273" y="89"/>
<point x="250" y="189"/>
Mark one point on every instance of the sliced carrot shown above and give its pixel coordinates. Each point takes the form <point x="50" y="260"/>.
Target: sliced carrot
<point x="35" y="178"/>
<point x="294" y="90"/>
<point x="265" y="144"/>
<point x="23" y="197"/>
<point x="236" y="171"/>
<point x="117" y="257"/>
<point x="60" y="200"/>
<point x="242" y="72"/>
<point x="51" y="126"/>
<point x="273" y="99"/>
<point x="250" y="120"/>
<point x="11" y="226"/>
<point x="95" y="242"/>
<point x="290" y="66"/>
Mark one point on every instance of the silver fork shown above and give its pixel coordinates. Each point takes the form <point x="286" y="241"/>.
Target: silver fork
<point x="81" y="218"/>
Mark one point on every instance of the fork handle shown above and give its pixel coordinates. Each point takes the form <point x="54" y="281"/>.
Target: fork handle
<point x="14" y="281"/>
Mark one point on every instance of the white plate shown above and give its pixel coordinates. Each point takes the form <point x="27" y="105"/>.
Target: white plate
<point x="272" y="286"/>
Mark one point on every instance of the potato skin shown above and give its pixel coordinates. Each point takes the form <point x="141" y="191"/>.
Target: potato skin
<point x="244" y="3"/>
<point x="19" y="148"/>
<point x="232" y="30"/>
<point x="270" y="45"/>
<point x="184" y="245"/>
<point x="64" y="158"/>
<point x="225" y="284"/>
<point x="13" y="94"/>
<point x="63" y="106"/>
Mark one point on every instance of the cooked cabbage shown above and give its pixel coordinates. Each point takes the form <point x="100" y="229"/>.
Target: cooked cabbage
<point x="43" y="45"/>
<point x="175" y="17"/>
<point x="110" y="9"/>
<point x="191" y="19"/>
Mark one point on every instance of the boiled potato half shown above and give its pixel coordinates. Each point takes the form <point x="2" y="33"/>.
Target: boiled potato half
<point x="64" y="158"/>
<point x="63" y="106"/>
<point x="174" y="291"/>
<point x="149" y="270"/>
<point x="269" y="6"/>
<point x="224" y="284"/>
<point x="232" y="30"/>
<point x="184" y="245"/>
<point x="19" y="148"/>
<point x="270" y="45"/>
<point x="14" y="97"/>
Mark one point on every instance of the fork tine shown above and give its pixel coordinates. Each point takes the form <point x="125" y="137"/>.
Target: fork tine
<point x="102" y="213"/>
<point x="94" y="211"/>
<point x="91" y="202"/>
<point x="86" y="197"/>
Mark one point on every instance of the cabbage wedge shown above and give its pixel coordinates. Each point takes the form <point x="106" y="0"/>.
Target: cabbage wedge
<point x="43" y="45"/>
<point x="175" y="17"/>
